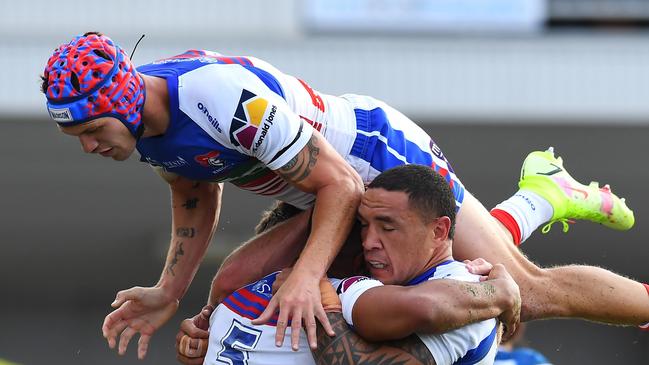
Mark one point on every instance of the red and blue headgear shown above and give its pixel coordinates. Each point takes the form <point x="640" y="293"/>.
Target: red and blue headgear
<point x="91" y="77"/>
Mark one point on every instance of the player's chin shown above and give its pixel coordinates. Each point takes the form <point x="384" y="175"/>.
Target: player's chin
<point x="383" y="275"/>
<point x="120" y="156"/>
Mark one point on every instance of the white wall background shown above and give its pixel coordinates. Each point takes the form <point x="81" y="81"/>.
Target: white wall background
<point x="579" y="77"/>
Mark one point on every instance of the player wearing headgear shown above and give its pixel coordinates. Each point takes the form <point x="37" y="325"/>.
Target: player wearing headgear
<point x="209" y="118"/>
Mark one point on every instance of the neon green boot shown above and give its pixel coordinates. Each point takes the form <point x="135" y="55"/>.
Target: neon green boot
<point x="544" y="174"/>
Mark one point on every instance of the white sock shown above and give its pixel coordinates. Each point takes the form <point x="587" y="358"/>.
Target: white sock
<point x="529" y="210"/>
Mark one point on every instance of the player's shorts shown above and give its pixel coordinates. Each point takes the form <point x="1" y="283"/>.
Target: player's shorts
<point x="385" y="138"/>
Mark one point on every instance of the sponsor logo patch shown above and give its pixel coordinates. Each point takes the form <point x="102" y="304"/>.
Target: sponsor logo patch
<point x="247" y="120"/>
<point x="61" y="115"/>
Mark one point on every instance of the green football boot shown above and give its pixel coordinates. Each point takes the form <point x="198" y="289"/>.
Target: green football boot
<point x="544" y="174"/>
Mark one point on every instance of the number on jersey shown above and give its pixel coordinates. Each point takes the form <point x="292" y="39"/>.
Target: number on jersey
<point x="236" y="343"/>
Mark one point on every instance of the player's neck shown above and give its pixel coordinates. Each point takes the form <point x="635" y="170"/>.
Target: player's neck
<point x="155" y="113"/>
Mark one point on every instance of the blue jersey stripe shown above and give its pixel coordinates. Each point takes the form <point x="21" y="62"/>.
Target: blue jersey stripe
<point x="428" y="273"/>
<point x="267" y="79"/>
<point x="478" y="353"/>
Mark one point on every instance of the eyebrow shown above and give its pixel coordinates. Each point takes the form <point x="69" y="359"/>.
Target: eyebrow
<point x="384" y="218"/>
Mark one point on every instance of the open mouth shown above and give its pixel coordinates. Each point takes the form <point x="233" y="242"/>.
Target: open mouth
<point x="106" y="152"/>
<point x="376" y="265"/>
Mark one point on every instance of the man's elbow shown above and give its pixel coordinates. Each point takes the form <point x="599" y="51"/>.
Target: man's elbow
<point x="351" y="185"/>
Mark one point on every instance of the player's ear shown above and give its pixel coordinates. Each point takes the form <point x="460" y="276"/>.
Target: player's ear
<point x="441" y="226"/>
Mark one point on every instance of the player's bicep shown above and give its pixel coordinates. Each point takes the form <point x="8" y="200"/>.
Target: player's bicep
<point x="397" y="317"/>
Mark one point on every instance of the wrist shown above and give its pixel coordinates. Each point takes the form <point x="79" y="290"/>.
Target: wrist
<point x="169" y="291"/>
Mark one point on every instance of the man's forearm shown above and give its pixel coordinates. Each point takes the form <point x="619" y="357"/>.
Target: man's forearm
<point x="347" y="348"/>
<point x="270" y="251"/>
<point x="195" y="209"/>
<point x="333" y="218"/>
<point x="435" y="306"/>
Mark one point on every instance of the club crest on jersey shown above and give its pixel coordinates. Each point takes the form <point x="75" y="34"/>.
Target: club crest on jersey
<point x="210" y="159"/>
<point x="345" y="284"/>
<point x="247" y="120"/>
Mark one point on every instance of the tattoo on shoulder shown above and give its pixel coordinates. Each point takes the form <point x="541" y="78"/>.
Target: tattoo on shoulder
<point x="300" y="166"/>
<point x="191" y="203"/>
<point x="347" y="348"/>
<point x="179" y="252"/>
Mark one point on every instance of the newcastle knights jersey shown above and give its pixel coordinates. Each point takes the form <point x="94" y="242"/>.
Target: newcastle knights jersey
<point x="237" y="119"/>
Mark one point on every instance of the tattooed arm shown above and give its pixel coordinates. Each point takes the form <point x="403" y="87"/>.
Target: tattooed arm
<point x="195" y="209"/>
<point x="435" y="306"/>
<point x="318" y="169"/>
<point x="348" y="348"/>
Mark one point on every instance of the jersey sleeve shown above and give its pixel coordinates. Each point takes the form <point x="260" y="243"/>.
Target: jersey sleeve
<point x="350" y="289"/>
<point x="243" y="109"/>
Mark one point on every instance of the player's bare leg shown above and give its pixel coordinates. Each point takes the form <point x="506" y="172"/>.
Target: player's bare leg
<point x="570" y="291"/>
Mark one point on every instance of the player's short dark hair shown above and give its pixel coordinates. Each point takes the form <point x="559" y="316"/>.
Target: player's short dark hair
<point x="278" y="213"/>
<point x="428" y="192"/>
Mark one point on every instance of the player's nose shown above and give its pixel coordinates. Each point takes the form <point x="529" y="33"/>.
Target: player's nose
<point x="371" y="240"/>
<point x="88" y="143"/>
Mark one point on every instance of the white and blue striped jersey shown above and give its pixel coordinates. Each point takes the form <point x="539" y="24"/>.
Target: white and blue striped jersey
<point x="237" y="119"/>
<point x="235" y="341"/>
<point x="476" y="343"/>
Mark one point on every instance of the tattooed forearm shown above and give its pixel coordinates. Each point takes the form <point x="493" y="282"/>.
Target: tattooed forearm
<point x="485" y="290"/>
<point x="191" y="203"/>
<point x="179" y="252"/>
<point x="347" y="348"/>
<point x="186" y="232"/>
<point x="300" y="166"/>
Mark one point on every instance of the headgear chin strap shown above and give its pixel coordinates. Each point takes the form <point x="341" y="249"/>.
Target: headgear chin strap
<point x="91" y="77"/>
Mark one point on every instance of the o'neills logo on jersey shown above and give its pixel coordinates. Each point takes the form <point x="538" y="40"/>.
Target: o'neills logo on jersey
<point x="61" y="115"/>
<point x="210" y="159"/>
<point x="210" y="118"/>
<point x="247" y="119"/>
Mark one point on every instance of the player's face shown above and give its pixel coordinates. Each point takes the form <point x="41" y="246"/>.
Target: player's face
<point x="395" y="239"/>
<point x="105" y="136"/>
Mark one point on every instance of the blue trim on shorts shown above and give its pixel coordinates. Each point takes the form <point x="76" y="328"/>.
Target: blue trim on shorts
<point x="375" y="151"/>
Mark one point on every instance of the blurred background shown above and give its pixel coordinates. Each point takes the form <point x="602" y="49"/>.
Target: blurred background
<point x="490" y="80"/>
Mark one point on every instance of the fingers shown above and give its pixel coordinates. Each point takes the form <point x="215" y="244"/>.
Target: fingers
<point x="189" y="360"/>
<point x="110" y="333"/>
<point x="192" y="347"/>
<point x="296" y="327"/>
<point x="310" y="327"/>
<point x="202" y="320"/>
<point x="267" y="314"/>
<point x="280" y="329"/>
<point x="324" y="320"/>
<point x="143" y="346"/>
<point x="478" y="266"/>
<point x="122" y="296"/>
<point x="124" y="339"/>
<point x="189" y="327"/>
